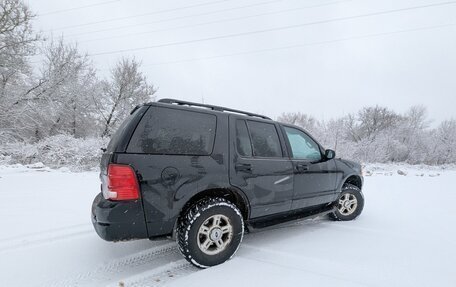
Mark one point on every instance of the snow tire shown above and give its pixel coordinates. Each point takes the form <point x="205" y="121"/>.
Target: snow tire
<point x="191" y="222"/>
<point x="348" y="190"/>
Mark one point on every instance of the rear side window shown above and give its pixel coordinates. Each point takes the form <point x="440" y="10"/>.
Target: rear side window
<point x="265" y="140"/>
<point x="244" y="148"/>
<point x="172" y="131"/>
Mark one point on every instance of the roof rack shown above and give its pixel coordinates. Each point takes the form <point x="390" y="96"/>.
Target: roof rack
<point x="214" y="108"/>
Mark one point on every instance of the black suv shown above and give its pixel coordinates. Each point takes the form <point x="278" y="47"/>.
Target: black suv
<point x="204" y="174"/>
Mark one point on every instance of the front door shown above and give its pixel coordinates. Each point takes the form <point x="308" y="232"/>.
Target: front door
<point x="259" y="165"/>
<point x="314" y="176"/>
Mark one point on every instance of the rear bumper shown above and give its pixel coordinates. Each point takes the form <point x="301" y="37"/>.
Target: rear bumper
<point x="118" y="221"/>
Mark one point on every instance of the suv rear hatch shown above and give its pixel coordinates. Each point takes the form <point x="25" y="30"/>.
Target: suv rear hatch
<point x="117" y="212"/>
<point x="118" y="143"/>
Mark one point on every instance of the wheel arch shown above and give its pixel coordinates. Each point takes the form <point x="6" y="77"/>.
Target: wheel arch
<point x="238" y="198"/>
<point x="353" y="179"/>
<point x="234" y="196"/>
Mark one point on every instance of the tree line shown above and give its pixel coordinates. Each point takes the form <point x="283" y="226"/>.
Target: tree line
<point x="63" y="93"/>
<point x="378" y="134"/>
<point x="60" y="111"/>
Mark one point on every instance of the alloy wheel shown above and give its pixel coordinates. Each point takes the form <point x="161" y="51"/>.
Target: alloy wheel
<point x="215" y="234"/>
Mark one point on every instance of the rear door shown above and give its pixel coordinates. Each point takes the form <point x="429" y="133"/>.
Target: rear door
<point x="314" y="176"/>
<point x="119" y="141"/>
<point x="259" y="165"/>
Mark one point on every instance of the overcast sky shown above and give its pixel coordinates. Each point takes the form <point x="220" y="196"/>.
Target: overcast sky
<point x="245" y="55"/>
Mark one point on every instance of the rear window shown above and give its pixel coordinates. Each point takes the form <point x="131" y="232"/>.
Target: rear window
<point x="120" y="133"/>
<point x="173" y="131"/>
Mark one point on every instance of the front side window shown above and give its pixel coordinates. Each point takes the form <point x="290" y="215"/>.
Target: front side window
<point x="265" y="140"/>
<point x="302" y="146"/>
<point x="173" y="131"/>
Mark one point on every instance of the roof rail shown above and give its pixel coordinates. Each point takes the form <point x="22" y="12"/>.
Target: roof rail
<point x="212" y="107"/>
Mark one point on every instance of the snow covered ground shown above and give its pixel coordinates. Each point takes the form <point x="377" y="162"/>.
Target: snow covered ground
<point x="405" y="237"/>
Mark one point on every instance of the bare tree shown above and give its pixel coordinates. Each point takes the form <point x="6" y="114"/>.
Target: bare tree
<point x="17" y="43"/>
<point x="127" y="88"/>
<point x="377" y="134"/>
<point x="303" y="120"/>
<point x="412" y="136"/>
<point x="444" y="145"/>
<point x="373" y="120"/>
<point x="353" y="131"/>
<point x="17" y="39"/>
<point x="417" y="118"/>
<point x="60" y="99"/>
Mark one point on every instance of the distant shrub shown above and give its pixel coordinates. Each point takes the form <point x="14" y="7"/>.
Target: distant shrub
<point x="56" y="151"/>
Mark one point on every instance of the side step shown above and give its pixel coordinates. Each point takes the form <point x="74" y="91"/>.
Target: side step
<point x="267" y="221"/>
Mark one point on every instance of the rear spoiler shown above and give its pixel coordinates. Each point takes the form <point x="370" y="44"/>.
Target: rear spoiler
<point x="135" y="108"/>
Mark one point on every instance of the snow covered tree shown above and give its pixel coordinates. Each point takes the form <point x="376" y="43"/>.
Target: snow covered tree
<point x="444" y="144"/>
<point x="17" y="44"/>
<point x="127" y="88"/>
<point x="61" y="100"/>
<point x="411" y="136"/>
<point x="299" y="119"/>
<point x="374" y="120"/>
<point x="304" y="121"/>
<point x="377" y="134"/>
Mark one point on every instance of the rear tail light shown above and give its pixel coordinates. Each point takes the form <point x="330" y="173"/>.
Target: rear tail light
<point x="122" y="182"/>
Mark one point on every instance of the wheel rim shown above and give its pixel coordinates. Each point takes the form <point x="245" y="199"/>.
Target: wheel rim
<point x="215" y="234"/>
<point x="347" y="204"/>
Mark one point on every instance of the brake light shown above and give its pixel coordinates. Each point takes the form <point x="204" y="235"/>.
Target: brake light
<point x="122" y="182"/>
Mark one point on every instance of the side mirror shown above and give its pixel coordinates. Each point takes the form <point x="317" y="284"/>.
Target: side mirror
<point x="330" y="154"/>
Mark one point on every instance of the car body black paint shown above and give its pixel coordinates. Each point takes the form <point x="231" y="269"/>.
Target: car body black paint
<point x="269" y="187"/>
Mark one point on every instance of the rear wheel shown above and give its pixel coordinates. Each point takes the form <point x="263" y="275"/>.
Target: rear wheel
<point x="210" y="232"/>
<point x="349" y="205"/>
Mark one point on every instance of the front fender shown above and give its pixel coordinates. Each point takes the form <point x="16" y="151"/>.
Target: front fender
<point x="349" y="171"/>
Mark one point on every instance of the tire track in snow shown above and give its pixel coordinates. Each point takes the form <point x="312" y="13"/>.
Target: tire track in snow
<point x="158" y="276"/>
<point x="138" y="263"/>
<point x="55" y="230"/>
<point x="49" y="236"/>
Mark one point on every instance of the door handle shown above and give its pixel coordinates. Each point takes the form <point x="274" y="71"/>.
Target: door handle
<point x="246" y="167"/>
<point x="302" y="167"/>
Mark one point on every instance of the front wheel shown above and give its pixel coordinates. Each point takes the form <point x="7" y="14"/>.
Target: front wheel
<point x="349" y="205"/>
<point x="210" y="232"/>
